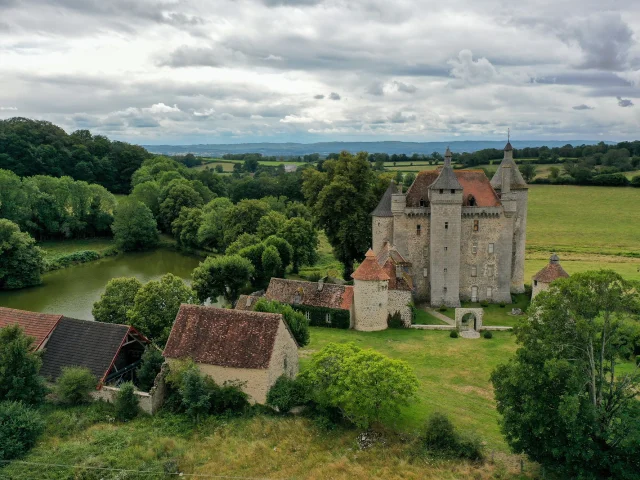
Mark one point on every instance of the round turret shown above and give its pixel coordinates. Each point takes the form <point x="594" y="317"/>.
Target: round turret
<point x="370" y="295"/>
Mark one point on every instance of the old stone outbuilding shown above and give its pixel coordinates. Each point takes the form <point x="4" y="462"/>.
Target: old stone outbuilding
<point x="252" y="348"/>
<point x="542" y="280"/>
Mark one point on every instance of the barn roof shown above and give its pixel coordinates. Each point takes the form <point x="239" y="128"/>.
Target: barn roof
<point x="83" y="343"/>
<point x="36" y="325"/>
<point x="223" y="337"/>
<point x="313" y="294"/>
<point x="473" y="182"/>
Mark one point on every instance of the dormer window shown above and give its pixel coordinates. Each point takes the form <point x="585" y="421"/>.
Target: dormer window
<point x="423" y="203"/>
<point x="471" y="201"/>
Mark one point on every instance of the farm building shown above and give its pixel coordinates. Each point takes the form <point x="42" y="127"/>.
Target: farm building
<point x="39" y="326"/>
<point x="542" y="280"/>
<point x="251" y="348"/>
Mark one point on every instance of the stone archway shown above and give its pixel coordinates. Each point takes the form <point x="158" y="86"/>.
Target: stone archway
<point x="469" y="318"/>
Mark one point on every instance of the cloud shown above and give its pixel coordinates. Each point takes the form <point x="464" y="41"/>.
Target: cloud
<point x="624" y="102"/>
<point x="8" y="109"/>
<point x="162" y="108"/>
<point x="318" y="97"/>
<point x="404" y="87"/>
<point x="296" y="3"/>
<point x="472" y="72"/>
<point x="583" y="107"/>
<point x="400" y="117"/>
<point x="375" y="88"/>
<point x="296" y="119"/>
<point x="334" y="96"/>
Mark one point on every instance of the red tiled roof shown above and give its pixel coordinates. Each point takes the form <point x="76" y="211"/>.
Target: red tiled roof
<point x="223" y="337"/>
<point x="36" y="325"/>
<point x="474" y="182"/>
<point x="550" y="273"/>
<point x="314" y="294"/>
<point x="369" y="269"/>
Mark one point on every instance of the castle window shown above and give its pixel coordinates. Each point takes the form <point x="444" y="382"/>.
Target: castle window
<point x="476" y="225"/>
<point x="535" y="283"/>
<point x="445" y="290"/>
<point x="446" y="225"/>
<point x="441" y="190"/>
<point x="453" y="191"/>
<point x="446" y="248"/>
<point x="422" y="202"/>
<point x="307" y="315"/>
<point x="489" y="270"/>
<point x="474" y="294"/>
<point x="418" y="229"/>
<point x="445" y="270"/>
<point x="474" y="247"/>
<point x="425" y="272"/>
<point x="472" y="201"/>
<point x="491" y="248"/>
<point x="489" y="292"/>
<point x="474" y="271"/>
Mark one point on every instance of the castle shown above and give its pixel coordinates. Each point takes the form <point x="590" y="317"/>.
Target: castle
<point x="462" y="235"/>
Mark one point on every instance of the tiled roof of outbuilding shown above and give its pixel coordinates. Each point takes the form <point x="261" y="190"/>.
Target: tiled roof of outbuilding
<point x="246" y="302"/>
<point x="223" y="337"/>
<point x="314" y="294"/>
<point x="474" y="182"/>
<point x="370" y="269"/>
<point x="551" y="272"/>
<point x="36" y="325"/>
<point x="82" y="343"/>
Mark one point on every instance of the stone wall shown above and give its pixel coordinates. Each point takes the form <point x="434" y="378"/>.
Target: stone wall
<point x="398" y="302"/>
<point x="415" y="248"/>
<point x="520" y="236"/>
<point x="254" y="382"/>
<point x="381" y="231"/>
<point x="370" y="303"/>
<point x="284" y="359"/>
<point x="537" y="287"/>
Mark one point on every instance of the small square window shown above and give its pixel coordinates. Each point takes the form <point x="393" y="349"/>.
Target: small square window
<point x="474" y="247"/>
<point x="445" y="270"/>
<point x="422" y="202"/>
<point x="476" y="225"/>
<point x="446" y="248"/>
<point x="535" y="283"/>
<point x="425" y="272"/>
<point x="453" y="191"/>
<point x="441" y="190"/>
<point x="474" y="271"/>
<point x="489" y="292"/>
<point x="491" y="248"/>
<point x="446" y="225"/>
<point x="444" y="289"/>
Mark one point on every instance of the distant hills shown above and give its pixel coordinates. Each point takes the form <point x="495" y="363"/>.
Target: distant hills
<point x="324" y="148"/>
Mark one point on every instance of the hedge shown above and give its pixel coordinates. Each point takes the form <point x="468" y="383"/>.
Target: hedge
<point x="317" y="316"/>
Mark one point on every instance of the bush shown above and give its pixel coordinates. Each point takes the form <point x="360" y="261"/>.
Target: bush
<point x="453" y="334"/>
<point x="20" y="427"/>
<point x="442" y="308"/>
<point x="149" y="368"/>
<point x="395" y="321"/>
<point x="484" y="304"/>
<point x="74" y="385"/>
<point x="126" y="403"/>
<point x="502" y="304"/>
<point x="440" y="437"/>
<point x="635" y="181"/>
<point x="314" y="277"/>
<point x="19" y="367"/>
<point x="287" y="393"/>
<point x="610" y="180"/>
<point x="228" y="398"/>
<point x="487" y="334"/>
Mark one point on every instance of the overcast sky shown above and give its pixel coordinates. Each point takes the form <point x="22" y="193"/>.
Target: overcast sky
<point x="218" y="71"/>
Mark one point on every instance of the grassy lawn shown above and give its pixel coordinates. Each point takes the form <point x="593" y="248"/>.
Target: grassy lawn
<point x="494" y="314"/>
<point x="63" y="247"/>
<point x="425" y="318"/>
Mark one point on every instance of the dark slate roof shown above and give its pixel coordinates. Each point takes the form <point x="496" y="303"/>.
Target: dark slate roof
<point x="223" y="337"/>
<point x="473" y="182"/>
<point x="508" y="147"/>
<point x="314" y="294"/>
<point x="36" y="325"/>
<point x="517" y="182"/>
<point x="82" y="343"/>
<point x="384" y="206"/>
<point x="446" y="180"/>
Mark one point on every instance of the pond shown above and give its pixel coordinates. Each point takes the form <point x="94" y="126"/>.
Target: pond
<point x="72" y="291"/>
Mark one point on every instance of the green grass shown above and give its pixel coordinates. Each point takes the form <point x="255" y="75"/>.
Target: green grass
<point x="425" y="318"/>
<point x="494" y="314"/>
<point x="326" y="264"/>
<point x="56" y="248"/>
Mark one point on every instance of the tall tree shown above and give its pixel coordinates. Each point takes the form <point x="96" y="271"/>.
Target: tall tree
<point x="342" y="198"/>
<point x="562" y="398"/>
<point x="19" y="367"/>
<point x="221" y="276"/>
<point x="303" y="238"/>
<point x="21" y="262"/>
<point x="116" y="300"/>
<point x="156" y="305"/>
<point x="134" y="227"/>
<point x="296" y="321"/>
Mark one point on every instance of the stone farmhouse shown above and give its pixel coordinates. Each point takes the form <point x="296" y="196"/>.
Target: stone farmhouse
<point x="110" y="351"/>
<point x="251" y="348"/>
<point x="541" y="281"/>
<point x="463" y="236"/>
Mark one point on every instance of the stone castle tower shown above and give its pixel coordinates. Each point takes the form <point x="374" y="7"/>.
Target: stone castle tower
<point x="370" y="295"/>
<point x="463" y="235"/>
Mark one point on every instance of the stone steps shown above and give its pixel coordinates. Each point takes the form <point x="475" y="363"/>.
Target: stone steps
<point x="469" y="334"/>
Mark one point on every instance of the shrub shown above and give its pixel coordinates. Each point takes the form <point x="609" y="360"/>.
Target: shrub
<point x="395" y="321"/>
<point x="295" y="320"/>
<point x="442" y="308"/>
<point x="453" y="334"/>
<point x="126" y="403"/>
<point x="149" y="368"/>
<point x="228" y="398"/>
<point x="74" y="385"/>
<point x="19" y="367"/>
<point x="635" y="181"/>
<point x="287" y="393"/>
<point x="502" y="304"/>
<point x="196" y="393"/>
<point x="20" y="427"/>
<point x="484" y="304"/>
<point x="441" y="437"/>
<point x="314" y="277"/>
<point x="487" y="334"/>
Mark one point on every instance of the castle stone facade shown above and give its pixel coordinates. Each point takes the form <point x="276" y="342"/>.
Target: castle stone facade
<point x="462" y="235"/>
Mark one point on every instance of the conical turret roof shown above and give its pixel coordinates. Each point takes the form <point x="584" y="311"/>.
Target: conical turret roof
<point x="384" y="206"/>
<point x="447" y="179"/>
<point x="369" y="269"/>
<point x="517" y="182"/>
<point x="552" y="271"/>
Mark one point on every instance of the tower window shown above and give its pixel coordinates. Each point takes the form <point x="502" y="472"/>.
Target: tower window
<point x="425" y="272"/>
<point x="474" y="247"/>
<point x="453" y="191"/>
<point x="489" y="292"/>
<point x="422" y="202"/>
<point x="445" y="270"/>
<point x="444" y="290"/>
<point x="491" y="248"/>
<point x="474" y="271"/>
<point x="446" y="225"/>
<point x="446" y="248"/>
<point x="441" y="190"/>
<point x="476" y="225"/>
<point x="418" y="230"/>
<point x="535" y="283"/>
